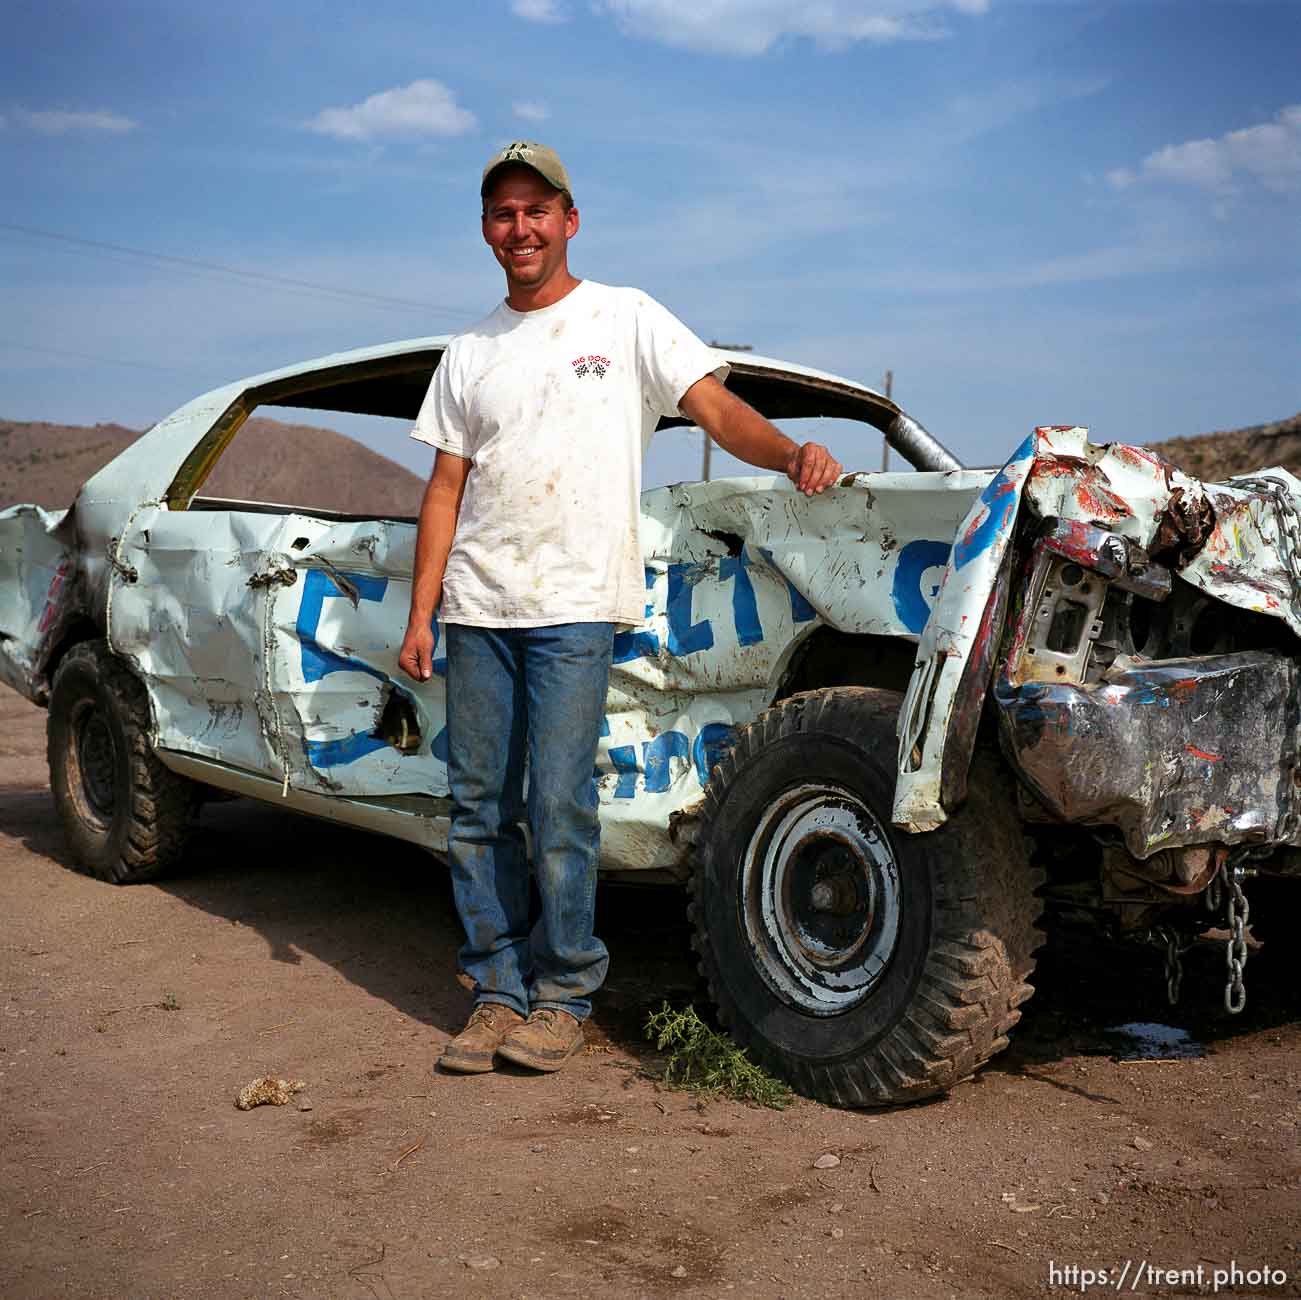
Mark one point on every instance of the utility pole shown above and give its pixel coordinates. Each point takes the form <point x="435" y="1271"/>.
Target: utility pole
<point x="885" y="446"/>
<point x="708" y="446"/>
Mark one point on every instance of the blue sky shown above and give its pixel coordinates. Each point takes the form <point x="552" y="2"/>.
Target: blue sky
<point x="1055" y="212"/>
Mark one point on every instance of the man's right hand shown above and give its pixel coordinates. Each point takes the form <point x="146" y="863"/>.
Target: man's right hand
<point x="416" y="658"/>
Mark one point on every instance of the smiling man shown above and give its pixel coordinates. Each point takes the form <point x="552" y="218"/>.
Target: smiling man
<point x="528" y="546"/>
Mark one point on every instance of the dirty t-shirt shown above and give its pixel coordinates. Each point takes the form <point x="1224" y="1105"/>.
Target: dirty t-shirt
<point x="554" y="408"/>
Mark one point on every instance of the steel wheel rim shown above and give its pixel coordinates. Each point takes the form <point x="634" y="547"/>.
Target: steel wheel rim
<point x="820" y="898"/>
<point x="95" y="754"/>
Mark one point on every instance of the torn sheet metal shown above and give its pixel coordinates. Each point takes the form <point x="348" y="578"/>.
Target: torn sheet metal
<point x="267" y="636"/>
<point x="956" y="649"/>
<point x="1239" y="544"/>
<point x="36" y="566"/>
<point x="268" y="642"/>
<point x="1251" y="559"/>
<point x="1185" y="751"/>
<point x="738" y="574"/>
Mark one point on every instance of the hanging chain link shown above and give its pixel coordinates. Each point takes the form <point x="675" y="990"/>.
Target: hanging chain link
<point x="1174" y="964"/>
<point x="1235" y="952"/>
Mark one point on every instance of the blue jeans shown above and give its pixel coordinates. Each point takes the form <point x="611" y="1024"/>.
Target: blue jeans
<point x="540" y="692"/>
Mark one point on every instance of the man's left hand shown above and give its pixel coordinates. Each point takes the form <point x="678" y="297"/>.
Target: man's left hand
<point x="813" y="468"/>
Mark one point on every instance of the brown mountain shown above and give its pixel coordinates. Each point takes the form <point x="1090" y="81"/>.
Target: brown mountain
<point x="302" y="465"/>
<point x="269" y="461"/>
<point x="1216" y="456"/>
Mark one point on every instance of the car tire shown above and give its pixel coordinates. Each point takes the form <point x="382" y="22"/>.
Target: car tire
<point x="127" y="818"/>
<point x="865" y="965"/>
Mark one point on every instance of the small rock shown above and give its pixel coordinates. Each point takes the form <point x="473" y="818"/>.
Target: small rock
<point x="837" y="1233"/>
<point x="1142" y="1144"/>
<point x="1102" y="1198"/>
<point x="827" y="1161"/>
<point x="304" y="1105"/>
<point x="839" y="1205"/>
<point x="680" y="1271"/>
<point x="538" y="1146"/>
<point x="482" y="1261"/>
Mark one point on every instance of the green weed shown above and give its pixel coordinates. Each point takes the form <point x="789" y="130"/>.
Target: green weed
<point x="170" y="1002"/>
<point x="703" y="1061"/>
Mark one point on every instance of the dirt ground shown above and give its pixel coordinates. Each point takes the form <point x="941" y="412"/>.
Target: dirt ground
<point x="132" y="1016"/>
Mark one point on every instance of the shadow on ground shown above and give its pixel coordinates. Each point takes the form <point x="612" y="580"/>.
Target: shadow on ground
<point x="380" y="912"/>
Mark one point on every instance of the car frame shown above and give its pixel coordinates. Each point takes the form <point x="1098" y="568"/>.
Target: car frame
<point x="866" y="908"/>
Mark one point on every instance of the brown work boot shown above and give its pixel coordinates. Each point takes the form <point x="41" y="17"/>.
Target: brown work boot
<point x="543" y="1042"/>
<point x="472" y="1050"/>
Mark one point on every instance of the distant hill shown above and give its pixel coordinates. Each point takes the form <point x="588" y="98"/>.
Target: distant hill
<point x="299" y="464"/>
<point x="268" y="461"/>
<point x="1216" y="456"/>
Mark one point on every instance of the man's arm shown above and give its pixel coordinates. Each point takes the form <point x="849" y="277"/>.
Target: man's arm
<point x="438" y="513"/>
<point x="738" y="428"/>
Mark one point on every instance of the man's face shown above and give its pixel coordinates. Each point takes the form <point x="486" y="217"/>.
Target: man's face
<point x="527" y="228"/>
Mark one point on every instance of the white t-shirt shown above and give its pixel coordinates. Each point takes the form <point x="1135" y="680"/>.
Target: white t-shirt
<point x="555" y="408"/>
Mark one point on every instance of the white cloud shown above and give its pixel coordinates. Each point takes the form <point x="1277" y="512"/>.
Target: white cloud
<point x="538" y="11"/>
<point x="1269" y="153"/>
<point x="752" y="27"/>
<point x="424" y="107"/>
<point x="531" y="110"/>
<point x="55" y="121"/>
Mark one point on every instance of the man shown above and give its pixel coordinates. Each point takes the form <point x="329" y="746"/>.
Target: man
<point x="528" y="540"/>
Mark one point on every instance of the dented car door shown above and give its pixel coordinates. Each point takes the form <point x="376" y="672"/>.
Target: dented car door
<point x="355" y="724"/>
<point x="188" y="602"/>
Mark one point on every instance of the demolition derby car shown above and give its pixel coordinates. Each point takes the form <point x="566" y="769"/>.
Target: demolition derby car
<point x="859" y="727"/>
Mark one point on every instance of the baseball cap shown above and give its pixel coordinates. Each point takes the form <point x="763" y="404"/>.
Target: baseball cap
<point x="529" y="153"/>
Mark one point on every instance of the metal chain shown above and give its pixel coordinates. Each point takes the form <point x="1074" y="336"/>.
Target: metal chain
<point x="1174" y="965"/>
<point x="1235" y="952"/>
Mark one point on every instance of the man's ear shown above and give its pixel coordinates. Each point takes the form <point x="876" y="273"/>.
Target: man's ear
<point x="571" y="223"/>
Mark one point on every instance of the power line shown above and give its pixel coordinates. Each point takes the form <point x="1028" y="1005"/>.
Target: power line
<point x="238" y="273"/>
<point x="88" y="356"/>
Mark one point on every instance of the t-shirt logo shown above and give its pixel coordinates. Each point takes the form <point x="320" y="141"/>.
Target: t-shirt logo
<point x="590" y="366"/>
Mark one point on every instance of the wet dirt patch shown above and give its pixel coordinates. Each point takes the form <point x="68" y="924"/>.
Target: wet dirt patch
<point x="334" y="1130"/>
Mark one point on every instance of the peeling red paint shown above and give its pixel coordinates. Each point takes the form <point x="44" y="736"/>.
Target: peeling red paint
<point x="1138" y="457"/>
<point x="1201" y="753"/>
<point x="52" y="597"/>
<point x="1098" y="502"/>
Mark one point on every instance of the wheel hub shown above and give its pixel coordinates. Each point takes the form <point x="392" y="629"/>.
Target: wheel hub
<point x="97" y="762"/>
<point x="820" y="895"/>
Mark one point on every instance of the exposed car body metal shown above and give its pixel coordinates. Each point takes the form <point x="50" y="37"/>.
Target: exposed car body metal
<point x="267" y="636"/>
<point x="1176" y="750"/>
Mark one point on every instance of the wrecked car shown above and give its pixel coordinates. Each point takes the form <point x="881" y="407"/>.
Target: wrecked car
<point x="858" y="727"/>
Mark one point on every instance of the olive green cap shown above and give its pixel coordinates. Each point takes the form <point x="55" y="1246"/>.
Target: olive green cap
<point x="529" y="153"/>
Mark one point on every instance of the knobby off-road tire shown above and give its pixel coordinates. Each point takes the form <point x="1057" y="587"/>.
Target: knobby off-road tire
<point x="865" y="965"/>
<point x="127" y="818"/>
